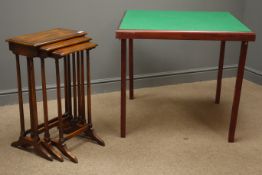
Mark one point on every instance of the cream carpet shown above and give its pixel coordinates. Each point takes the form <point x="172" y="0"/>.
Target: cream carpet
<point x="174" y="129"/>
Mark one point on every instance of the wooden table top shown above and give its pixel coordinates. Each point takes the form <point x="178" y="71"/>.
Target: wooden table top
<point x="45" y="37"/>
<point x="55" y="43"/>
<point x="64" y="43"/>
<point x="72" y="49"/>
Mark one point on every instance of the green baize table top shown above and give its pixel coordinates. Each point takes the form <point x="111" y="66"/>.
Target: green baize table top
<point x="181" y="21"/>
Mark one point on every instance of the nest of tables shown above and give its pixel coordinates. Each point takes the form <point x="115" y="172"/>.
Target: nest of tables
<point x="72" y="48"/>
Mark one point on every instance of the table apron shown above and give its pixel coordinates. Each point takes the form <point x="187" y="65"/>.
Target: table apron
<point x="171" y="35"/>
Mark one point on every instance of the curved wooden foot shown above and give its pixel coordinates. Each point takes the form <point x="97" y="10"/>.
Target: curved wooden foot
<point x="63" y="148"/>
<point x="25" y="142"/>
<point x="90" y="134"/>
<point x="40" y="150"/>
<point x="48" y="146"/>
<point x="20" y="144"/>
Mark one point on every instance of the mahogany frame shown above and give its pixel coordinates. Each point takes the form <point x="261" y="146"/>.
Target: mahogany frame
<point x="62" y="45"/>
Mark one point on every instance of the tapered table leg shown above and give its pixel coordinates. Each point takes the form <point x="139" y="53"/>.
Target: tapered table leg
<point x="78" y="86"/>
<point x="238" y="86"/>
<point x="123" y="88"/>
<point x="90" y="133"/>
<point x="32" y="97"/>
<point x="68" y="95"/>
<point x="220" y="71"/>
<point x="20" y="97"/>
<point x="66" y="84"/>
<point x="74" y="88"/>
<point x="69" y="86"/>
<point x="131" y="69"/>
<point x="82" y="89"/>
<point x="88" y="89"/>
<point x="19" y="143"/>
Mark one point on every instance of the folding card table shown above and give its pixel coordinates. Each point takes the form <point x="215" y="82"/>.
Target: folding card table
<point x="183" y="25"/>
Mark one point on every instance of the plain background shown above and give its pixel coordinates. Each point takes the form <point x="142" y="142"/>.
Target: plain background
<point x="100" y="19"/>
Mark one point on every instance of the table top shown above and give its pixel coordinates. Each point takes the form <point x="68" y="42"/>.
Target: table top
<point x="45" y="37"/>
<point x="56" y="43"/>
<point x="182" y="21"/>
<point x="152" y="21"/>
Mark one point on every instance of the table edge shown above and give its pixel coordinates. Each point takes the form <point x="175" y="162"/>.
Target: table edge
<point x="185" y="35"/>
<point x="11" y="40"/>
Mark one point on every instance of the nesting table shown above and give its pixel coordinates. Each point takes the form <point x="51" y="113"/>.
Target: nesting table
<point x="72" y="47"/>
<point x="183" y="25"/>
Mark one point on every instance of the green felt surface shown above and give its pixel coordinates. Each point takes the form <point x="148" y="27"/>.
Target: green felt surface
<point x="181" y="21"/>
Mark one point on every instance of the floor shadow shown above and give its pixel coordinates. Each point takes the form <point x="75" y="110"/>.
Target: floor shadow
<point x="167" y="111"/>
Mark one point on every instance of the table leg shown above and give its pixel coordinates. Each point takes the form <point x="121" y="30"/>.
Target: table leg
<point x="83" y="87"/>
<point x="90" y="133"/>
<point x="123" y="88"/>
<point x="45" y="107"/>
<point x="32" y="97"/>
<point x="74" y="87"/>
<point x="47" y="141"/>
<point x="88" y="89"/>
<point x="34" y="140"/>
<point x="60" y="143"/>
<point x="238" y="86"/>
<point x="69" y="86"/>
<point x="79" y="87"/>
<point x="220" y="71"/>
<point x="131" y="69"/>
<point x="66" y="84"/>
<point x="20" y="97"/>
<point x="33" y="111"/>
<point x="20" y="142"/>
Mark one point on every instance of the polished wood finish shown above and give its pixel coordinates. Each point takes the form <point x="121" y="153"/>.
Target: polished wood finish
<point x="220" y="71"/>
<point x="90" y="133"/>
<point x="69" y="82"/>
<point x="64" y="43"/>
<point x="20" y="97"/>
<point x="82" y="84"/>
<point x="76" y="48"/>
<point x="88" y="89"/>
<point x="45" y="37"/>
<point x="66" y="83"/>
<point x="123" y="88"/>
<point x="28" y="45"/>
<point x="69" y="46"/>
<point x="238" y="87"/>
<point x="81" y="129"/>
<point x="32" y="97"/>
<point x="79" y="86"/>
<point x="59" y="103"/>
<point x="45" y="107"/>
<point x="185" y="35"/>
<point x="74" y="86"/>
<point x="131" y="69"/>
<point x="35" y="140"/>
<point x="47" y="140"/>
<point x="60" y="143"/>
<point x="51" y="124"/>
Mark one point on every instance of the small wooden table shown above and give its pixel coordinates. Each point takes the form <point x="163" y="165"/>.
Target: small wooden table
<point x="183" y="25"/>
<point x="69" y="46"/>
